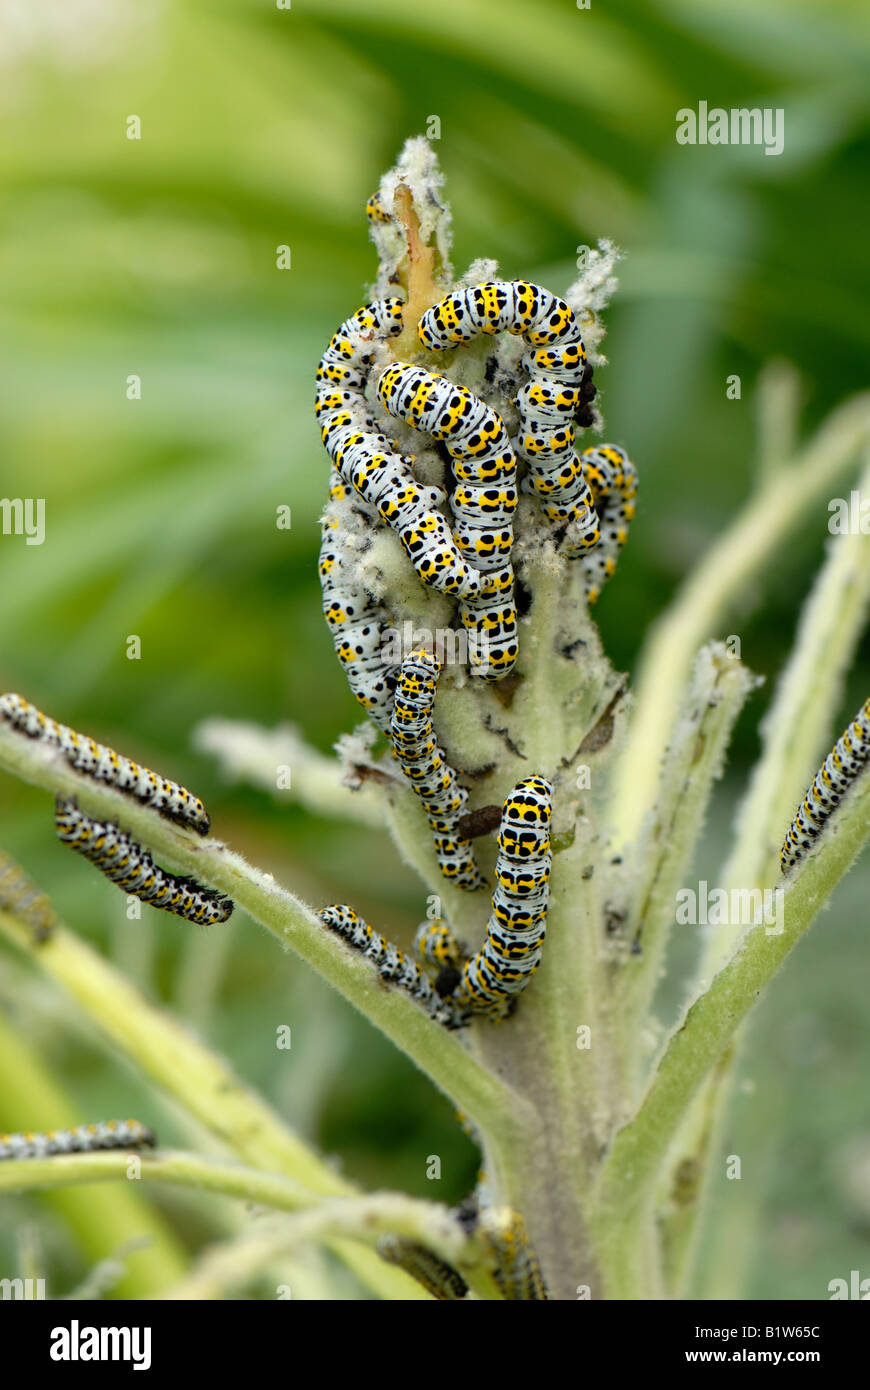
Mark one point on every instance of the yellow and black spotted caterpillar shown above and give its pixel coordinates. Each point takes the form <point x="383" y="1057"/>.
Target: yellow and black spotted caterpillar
<point x="489" y="981"/>
<point x="131" y="867"/>
<point x="483" y="501"/>
<point x="846" y="760"/>
<point x="110" y="1134"/>
<point x="103" y="764"/>
<point x="391" y="963"/>
<point x="557" y="393"/>
<point x="355" y="619"/>
<point x="369" y="461"/>
<point x="427" y="770"/>
<point x="21" y="897"/>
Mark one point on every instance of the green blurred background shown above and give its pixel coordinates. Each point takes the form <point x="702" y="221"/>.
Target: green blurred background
<point x="157" y="257"/>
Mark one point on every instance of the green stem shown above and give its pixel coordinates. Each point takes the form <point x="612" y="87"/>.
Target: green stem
<point x="731" y="563"/>
<point x="633" y="1167"/>
<point x="102" y="1223"/>
<point x="197" y="1078"/>
<point x="438" y="1053"/>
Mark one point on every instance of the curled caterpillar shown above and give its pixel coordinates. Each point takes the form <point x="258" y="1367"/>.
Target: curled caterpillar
<point x="846" y="760"/>
<point x="440" y="1279"/>
<point x="110" y="1134"/>
<point x="557" y="392"/>
<point x="131" y="867"/>
<point x="102" y="764"/>
<point x="368" y="460"/>
<point x="613" y="479"/>
<point x="483" y="501"/>
<point x="391" y="963"/>
<point x="356" y="620"/>
<point x="426" y="768"/>
<point x="21" y="897"/>
<point x="511" y="953"/>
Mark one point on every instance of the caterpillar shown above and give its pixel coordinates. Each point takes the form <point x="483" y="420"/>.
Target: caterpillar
<point x="355" y="619"/>
<point x="369" y="461"/>
<point x="375" y="210"/>
<point x="517" y="1271"/>
<point x="483" y="502"/>
<point x="131" y="867"/>
<point x="426" y="768"/>
<point x="846" y="760"/>
<point x="558" y="389"/>
<point x="435" y="944"/>
<point x="515" y="932"/>
<point x="612" y="478"/>
<point x="109" y="1134"/>
<point x="20" y="896"/>
<point x="102" y="764"/>
<point x="440" y="1279"/>
<point x="391" y="963"/>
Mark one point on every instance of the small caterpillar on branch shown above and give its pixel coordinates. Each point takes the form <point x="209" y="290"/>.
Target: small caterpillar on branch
<point x="131" y="867"/>
<point x="845" y="762"/>
<point x="109" y="1134"/>
<point x="391" y="963"/>
<point x="103" y="764"/>
<point x="439" y="1279"/>
<point x="21" y="897"/>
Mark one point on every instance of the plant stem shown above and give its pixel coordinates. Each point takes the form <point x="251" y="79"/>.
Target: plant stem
<point x="31" y="1099"/>
<point x="731" y="563"/>
<point x="632" y="1170"/>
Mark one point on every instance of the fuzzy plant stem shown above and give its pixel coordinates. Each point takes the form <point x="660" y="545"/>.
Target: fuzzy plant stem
<point x="335" y="1220"/>
<point x="786" y="495"/>
<point x="31" y="1099"/>
<point x="198" y="1079"/>
<point x="624" y="1213"/>
<point x="796" y="732"/>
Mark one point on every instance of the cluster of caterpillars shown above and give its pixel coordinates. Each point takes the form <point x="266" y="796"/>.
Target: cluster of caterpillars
<point x="462" y="546"/>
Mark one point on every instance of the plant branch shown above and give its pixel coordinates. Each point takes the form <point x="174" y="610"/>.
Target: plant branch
<point x="763" y="526"/>
<point x="632" y="1169"/>
<point x="441" y="1055"/>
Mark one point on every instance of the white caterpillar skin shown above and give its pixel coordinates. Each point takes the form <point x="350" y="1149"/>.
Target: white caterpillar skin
<point x="548" y="403"/>
<point x="483" y="502"/>
<point x="392" y="964"/>
<point x="103" y="764"/>
<point x="356" y="620"/>
<point x="368" y="461"/>
<point x="845" y="762"/>
<point x="131" y="867"/>
<point x="110" y="1134"/>
<point x="511" y="953"/>
<point x="426" y="767"/>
